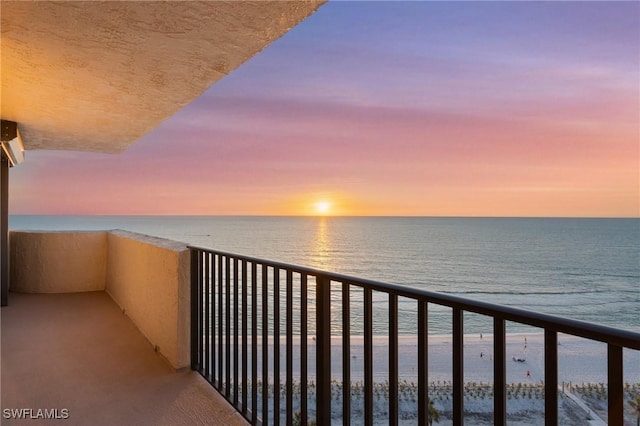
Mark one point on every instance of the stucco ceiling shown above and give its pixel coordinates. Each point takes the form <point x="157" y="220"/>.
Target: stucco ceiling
<point x="98" y="75"/>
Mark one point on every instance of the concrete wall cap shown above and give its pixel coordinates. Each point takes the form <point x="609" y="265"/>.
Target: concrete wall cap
<point x="149" y="239"/>
<point x="46" y="231"/>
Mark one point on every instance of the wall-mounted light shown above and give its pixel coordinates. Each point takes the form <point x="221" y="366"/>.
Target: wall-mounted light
<point x="12" y="142"/>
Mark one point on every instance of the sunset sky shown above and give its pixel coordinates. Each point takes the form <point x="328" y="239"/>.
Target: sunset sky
<point x="390" y="108"/>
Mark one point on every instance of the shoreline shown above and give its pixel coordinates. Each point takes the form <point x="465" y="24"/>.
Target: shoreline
<point x="582" y="378"/>
<point x="579" y="360"/>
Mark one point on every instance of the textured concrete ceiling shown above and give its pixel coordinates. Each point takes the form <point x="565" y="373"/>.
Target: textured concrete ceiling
<point x="98" y="75"/>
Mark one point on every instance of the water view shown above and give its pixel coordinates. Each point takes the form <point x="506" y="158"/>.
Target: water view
<point x="587" y="269"/>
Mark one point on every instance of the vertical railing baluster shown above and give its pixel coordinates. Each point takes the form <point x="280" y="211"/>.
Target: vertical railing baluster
<point x="212" y="310"/>
<point x="215" y="310"/>
<point x="346" y="354"/>
<point x="393" y="359"/>
<point x="550" y="377"/>
<point x="220" y="323"/>
<point x="499" y="372"/>
<point x="458" y="367"/>
<point x="195" y="309"/>
<point x="289" y="291"/>
<point x="276" y="346"/>
<point x="615" y="385"/>
<point x="200" y="315"/>
<point x="423" y="364"/>
<point x="265" y="346"/>
<point x="254" y="343"/>
<point x="245" y="329"/>
<point x="323" y="350"/>
<point x="227" y="281"/>
<point x="207" y="319"/>
<point x="368" y="356"/>
<point x="212" y="303"/>
<point x="236" y="333"/>
<point x="303" y="349"/>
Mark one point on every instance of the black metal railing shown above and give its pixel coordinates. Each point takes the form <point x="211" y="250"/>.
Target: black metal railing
<point x="238" y="317"/>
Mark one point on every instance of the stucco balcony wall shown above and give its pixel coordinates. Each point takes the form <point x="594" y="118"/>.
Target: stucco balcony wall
<point x="57" y="262"/>
<point x="147" y="277"/>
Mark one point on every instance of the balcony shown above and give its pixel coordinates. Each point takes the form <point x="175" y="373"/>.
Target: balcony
<point x="79" y="341"/>
<point x="121" y="328"/>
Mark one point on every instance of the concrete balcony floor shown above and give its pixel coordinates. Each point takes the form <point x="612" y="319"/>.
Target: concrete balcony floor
<point x="78" y="351"/>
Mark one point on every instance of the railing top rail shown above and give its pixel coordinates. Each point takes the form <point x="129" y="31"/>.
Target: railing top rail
<point x="606" y="334"/>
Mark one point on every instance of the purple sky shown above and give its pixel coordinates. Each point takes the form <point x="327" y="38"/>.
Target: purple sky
<point x="390" y="108"/>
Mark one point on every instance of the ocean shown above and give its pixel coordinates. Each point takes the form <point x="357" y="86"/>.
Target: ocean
<point x="586" y="269"/>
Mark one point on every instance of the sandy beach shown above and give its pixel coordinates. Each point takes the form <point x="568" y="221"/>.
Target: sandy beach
<point x="579" y="360"/>
<point x="582" y="369"/>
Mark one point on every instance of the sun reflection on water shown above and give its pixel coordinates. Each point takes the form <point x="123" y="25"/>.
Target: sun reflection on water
<point x="322" y="246"/>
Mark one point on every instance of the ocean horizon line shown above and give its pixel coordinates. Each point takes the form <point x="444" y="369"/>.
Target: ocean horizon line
<point x="328" y="216"/>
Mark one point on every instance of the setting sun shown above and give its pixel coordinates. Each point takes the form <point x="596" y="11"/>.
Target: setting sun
<point x="323" y="207"/>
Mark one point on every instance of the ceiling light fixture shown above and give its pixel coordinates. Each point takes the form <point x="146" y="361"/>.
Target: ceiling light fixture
<point x="12" y="142"/>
